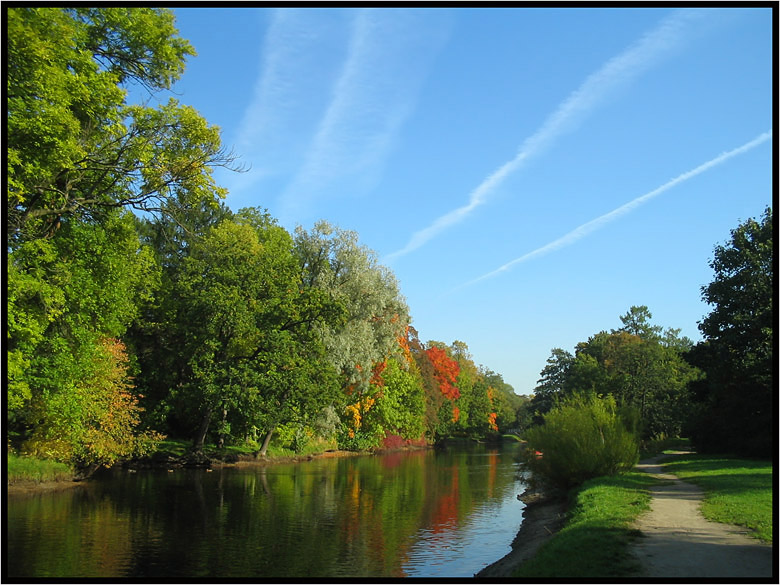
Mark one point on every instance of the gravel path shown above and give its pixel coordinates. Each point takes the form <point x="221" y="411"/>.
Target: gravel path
<point x="678" y="542"/>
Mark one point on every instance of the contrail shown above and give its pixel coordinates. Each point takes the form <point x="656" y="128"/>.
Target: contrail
<point x="595" y="224"/>
<point x="388" y="57"/>
<point x="613" y="74"/>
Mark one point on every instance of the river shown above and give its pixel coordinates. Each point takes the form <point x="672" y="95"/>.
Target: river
<point x="430" y="513"/>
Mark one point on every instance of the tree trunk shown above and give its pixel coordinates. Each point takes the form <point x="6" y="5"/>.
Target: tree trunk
<point x="202" y="430"/>
<point x="266" y="442"/>
<point x="221" y="440"/>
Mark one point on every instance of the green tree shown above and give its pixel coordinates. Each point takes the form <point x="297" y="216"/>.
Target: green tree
<point x="66" y="296"/>
<point x="400" y="403"/>
<point x="637" y="322"/>
<point x="76" y="149"/>
<point x="157" y="336"/>
<point x="248" y="324"/>
<point x="552" y="382"/>
<point x="737" y="398"/>
<point x="639" y="364"/>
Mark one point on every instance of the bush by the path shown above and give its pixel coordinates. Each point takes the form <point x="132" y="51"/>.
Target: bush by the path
<point x="582" y="438"/>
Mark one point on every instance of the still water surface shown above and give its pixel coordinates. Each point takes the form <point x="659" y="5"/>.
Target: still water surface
<point x="408" y="514"/>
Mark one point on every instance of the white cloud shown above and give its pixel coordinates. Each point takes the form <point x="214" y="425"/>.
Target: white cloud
<point x="615" y="73"/>
<point x="297" y="60"/>
<point x="596" y="224"/>
<point x="387" y="59"/>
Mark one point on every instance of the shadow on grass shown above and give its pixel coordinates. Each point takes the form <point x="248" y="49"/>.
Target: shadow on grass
<point x="584" y="551"/>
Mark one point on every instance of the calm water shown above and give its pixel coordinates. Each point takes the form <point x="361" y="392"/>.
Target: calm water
<point x="416" y="514"/>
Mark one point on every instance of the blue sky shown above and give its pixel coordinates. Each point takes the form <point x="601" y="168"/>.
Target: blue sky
<point x="527" y="173"/>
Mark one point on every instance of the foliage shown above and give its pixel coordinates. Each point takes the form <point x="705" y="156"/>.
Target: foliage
<point x="93" y="421"/>
<point x="332" y="261"/>
<point x="736" y="491"/>
<point x="75" y="148"/>
<point x="582" y="438"/>
<point x="595" y="543"/>
<point x="400" y="403"/>
<point x="187" y="318"/>
<point x="737" y="398"/>
<point x="639" y="364"/>
<point x="247" y="324"/>
<point x="445" y="371"/>
<point x="69" y="298"/>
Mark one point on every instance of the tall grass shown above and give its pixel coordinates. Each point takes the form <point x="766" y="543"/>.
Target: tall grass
<point x="736" y="491"/>
<point x="36" y="470"/>
<point x="598" y="533"/>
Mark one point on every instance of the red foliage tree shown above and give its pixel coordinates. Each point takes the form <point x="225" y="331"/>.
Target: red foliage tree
<point x="445" y="372"/>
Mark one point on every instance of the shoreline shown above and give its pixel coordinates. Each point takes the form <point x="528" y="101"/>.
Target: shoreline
<point x="167" y="461"/>
<point x="30" y="487"/>
<point x="542" y="518"/>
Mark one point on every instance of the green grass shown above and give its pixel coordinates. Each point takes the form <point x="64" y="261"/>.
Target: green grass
<point x="36" y="470"/>
<point x="595" y="541"/>
<point x="736" y="491"/>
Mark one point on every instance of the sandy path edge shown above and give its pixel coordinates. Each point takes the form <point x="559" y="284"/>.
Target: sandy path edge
<point x="678" y="542"/>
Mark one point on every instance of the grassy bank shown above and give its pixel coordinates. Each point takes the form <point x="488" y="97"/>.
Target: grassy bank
<point x="598" y="532"/>
<point x="29" y="469"/>
<point x="736" y="491"/>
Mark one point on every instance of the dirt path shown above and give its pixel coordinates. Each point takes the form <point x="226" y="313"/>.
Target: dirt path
<point x="678" y="542"/>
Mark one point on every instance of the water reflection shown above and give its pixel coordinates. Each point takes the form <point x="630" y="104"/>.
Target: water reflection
<point x="421" y="513"/>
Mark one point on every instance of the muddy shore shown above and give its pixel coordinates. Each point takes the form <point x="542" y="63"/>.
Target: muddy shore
<point x="22" y="488"/>
<point x="542" y="518"/>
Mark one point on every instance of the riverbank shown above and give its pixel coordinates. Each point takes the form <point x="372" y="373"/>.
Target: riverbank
<point x="170" y="461"/>
<point x="611" y="532"/>
<point x="26" y="487"/>
<point x="29" y="475"/>
<point x="543" y="517"/>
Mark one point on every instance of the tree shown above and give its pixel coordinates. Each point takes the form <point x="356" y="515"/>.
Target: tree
<point x="156" y="337"/>
<point x="399" y="401"/>
<point x="248" y="323"/>
<point x="737" y="398"/>
<point x="640" y="365"/>
<point x="637" y="322"/>
<point x="92" y="422"/>
<point x="552" y="382"/>
<point x="68" y="295"/>
<point x="75" y="148"/>
<point x="334" y="263"/>
<point x="79" y="158"/>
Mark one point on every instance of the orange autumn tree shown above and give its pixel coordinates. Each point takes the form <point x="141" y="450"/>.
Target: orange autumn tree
<point x="491" y="393"/>
<point x="445" y="371"/>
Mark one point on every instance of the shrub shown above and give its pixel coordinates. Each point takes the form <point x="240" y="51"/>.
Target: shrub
<point x="581" y="438"/>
